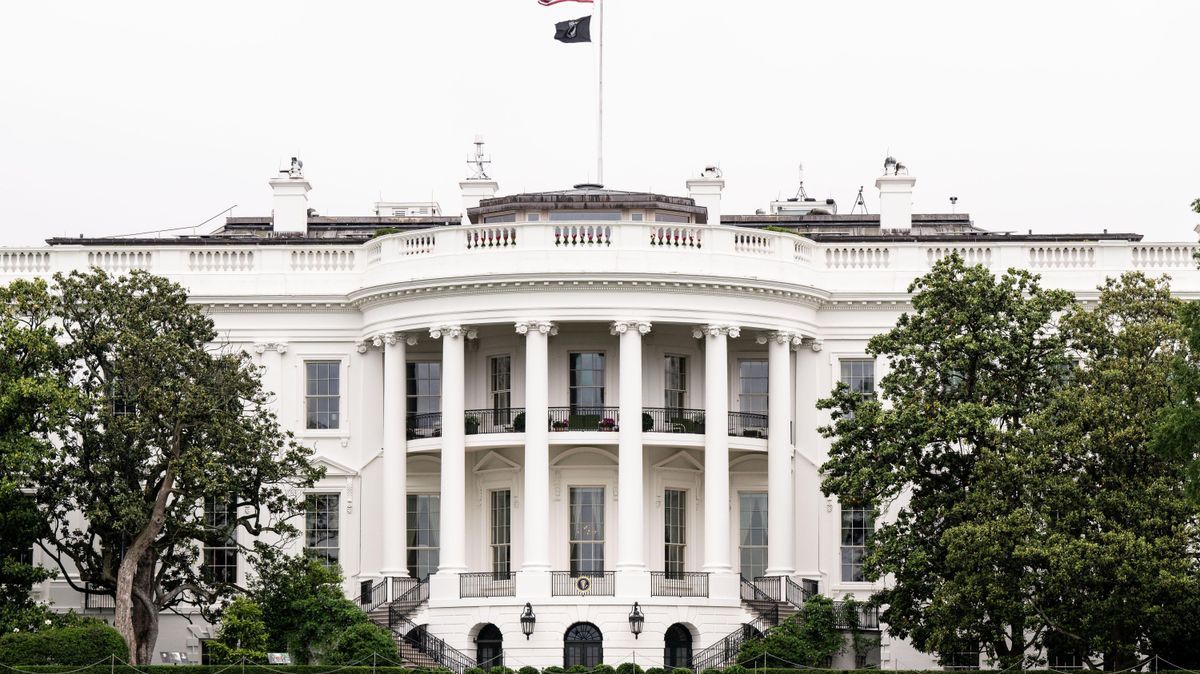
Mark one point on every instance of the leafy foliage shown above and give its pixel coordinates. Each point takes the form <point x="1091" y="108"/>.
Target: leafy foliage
<point x="809" y="638"/>
<point x="242" y="636"/>
<point x="362" y="643"/>
<point x="82" y="645"/>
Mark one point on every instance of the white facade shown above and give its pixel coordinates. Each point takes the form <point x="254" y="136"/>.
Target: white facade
<point x="736" y="304"/>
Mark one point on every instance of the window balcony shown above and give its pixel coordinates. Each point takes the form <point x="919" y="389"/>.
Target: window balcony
<point x="487" y="584"/>
<point x="426" y="425"/>
<point x="747" y="425"/>
<point x="672" y="420"/>
<point x="502" y="420"/>
<point x="581" y="584"/>
<point x="678" y="584"/>
<point x="584" y="419"/>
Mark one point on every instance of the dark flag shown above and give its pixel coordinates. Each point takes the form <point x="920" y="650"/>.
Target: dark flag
<point x="578" y="30"/>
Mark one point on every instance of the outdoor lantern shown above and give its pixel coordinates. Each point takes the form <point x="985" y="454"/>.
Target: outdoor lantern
<point x="636" y="620"/>
<point x="528" y="619"/>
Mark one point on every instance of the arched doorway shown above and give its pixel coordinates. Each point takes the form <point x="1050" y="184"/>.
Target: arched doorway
<point x="583" y="644"/>
<point x="489" y="647"/>
<point x="677" y="651"/>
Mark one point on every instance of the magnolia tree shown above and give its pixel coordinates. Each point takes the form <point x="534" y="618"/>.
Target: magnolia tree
<point x="168" y="446"/>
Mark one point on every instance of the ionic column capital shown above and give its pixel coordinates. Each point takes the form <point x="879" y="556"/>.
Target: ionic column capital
<point x="816" y="345"/>
<point x="453" y="331"/>
<point x="621" y="327"/>
<point x="278" y="347"/>
<point x="780" y="337"/>
<point x="732" y="331"/>
<point x="542" y="327"/>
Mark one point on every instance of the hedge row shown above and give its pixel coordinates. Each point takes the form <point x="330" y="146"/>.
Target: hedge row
<point x="62" y="647"/>
<point x="319" y="669"/>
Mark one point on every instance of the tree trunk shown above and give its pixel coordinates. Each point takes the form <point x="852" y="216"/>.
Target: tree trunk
<point x="130" y="563"/>
<point x="145" y="612"/>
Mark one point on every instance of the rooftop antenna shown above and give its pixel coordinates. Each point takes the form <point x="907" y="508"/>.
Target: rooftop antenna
<point x="479" y="161"/>
<point x="953" y="204"/>
<point x="800" y="193"/>
<point x="859" y="201"/>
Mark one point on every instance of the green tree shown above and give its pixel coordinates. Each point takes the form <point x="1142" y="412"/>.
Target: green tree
<point x="242" y="636"/>
<point x="363" y="643"/>
<point x="302" y="603"/>
<point x="162" y="419"/>
<point x="32" y="401"/>
<point x="1119" y="548"/>
<point x="810" y="638"/>
<point x="955" y="456"/>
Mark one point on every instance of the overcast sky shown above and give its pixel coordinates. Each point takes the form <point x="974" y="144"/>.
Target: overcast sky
<point x="119" y="117"/>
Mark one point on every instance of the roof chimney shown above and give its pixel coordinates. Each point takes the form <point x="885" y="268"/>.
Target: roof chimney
<point x="895" y="196"/>
<point x="479" y="186"/>
<point x="706" y="191"/>
<point x="290" y="213"/>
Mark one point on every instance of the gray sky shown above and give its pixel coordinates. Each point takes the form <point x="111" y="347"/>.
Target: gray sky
<point x="118" y="117"/>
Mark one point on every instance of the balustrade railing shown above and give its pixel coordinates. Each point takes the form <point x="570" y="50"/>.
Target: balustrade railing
<point x="373" y="595"/>
<point x="798" y="593"/>
<point x="487" y="584"/>
<point x="763" y="604"/>
<point x="678" y="584"/>
<point x="771" y="586"/>
<point x="582" y="418"/>
<point x="426" y="425"/>
<point x="500" y="420"/>
<point x="726" y="649"/>
<point x="672" y="420"/>
<point x="747" y="425"/>
<point x="98" y="601"/>
<point x="580" y="584"/>
<point x="868" y="616"/>
<point x="420" y="639"/>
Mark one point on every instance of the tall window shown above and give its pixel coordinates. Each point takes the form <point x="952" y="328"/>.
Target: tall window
<point x="220" y="560"/>
<point x="859" y="375"/>
<point x="587" y="380"/>
<point x="501" y="533"/>
<point x="675" y="535"/>
<point x="675" y="383"/>
<point x="424" y="522"/>
<point x="753" y="525"/>
<point x="857" y="524"/>
<point x="583" y="644"/>
<point x="321" y="526"/>
<point x="322" y="400"/>
<point x="677" y="647"/>
<point x="587" y="530"/>
<point x="424" y="388"/>
<point x="753" y="375"/>
<point x="500" y="380"/>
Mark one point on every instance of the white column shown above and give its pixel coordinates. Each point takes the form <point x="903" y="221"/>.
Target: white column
<point x="781" y="525"/>
<point x="537" y="445"/>
<point x="395" y="456"/>
<point x="453" y="555"/>
<point x="631" y="505"/>
<point x="716" y="446"/>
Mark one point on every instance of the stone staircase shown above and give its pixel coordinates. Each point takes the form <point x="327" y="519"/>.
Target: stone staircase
<point x="391" y="603"/>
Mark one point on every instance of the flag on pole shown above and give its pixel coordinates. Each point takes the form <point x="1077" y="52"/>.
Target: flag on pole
<point x="576" y="30"/>
<point x="547" y="3"/>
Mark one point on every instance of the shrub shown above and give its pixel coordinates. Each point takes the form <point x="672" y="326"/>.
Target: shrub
<point x="519" y="427"/>
<point x="603" y="669"/>
<point x="528" y="670"/>
<point x="656" y="670"/>
<point x="735" y="669"/>
<point x="474" y="670"/>
<point x="553" y="670"/>
<point x="681" y="670"/>
<point x="364" y="643"/>
<point x="62" y="646"/>
<point x="711" y="670"/>
<point x="577" y="669"/>
<point x="242" y="635"/>
<point x="629" y="668"/>
<point x="500" y="669"/>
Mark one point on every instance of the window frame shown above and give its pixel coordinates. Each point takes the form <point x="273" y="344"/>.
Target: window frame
<point x="338" y="364"/>
<point x="843" y="361"/>
<point x="321" y="551"/>
<point x="867" y="528"/>
<point x="603" y="379"/>
<point x="598" y="542"/>
<point x="765" y="528"/>
<point x="741" y="392"/>
<point x="678" y="566"/>
<point x="501" y="570"/>
<point x="494" y="391"/>
<point x="211" y="552"/>
<point x="434" y="531"/>
<point x="682" y="392"/>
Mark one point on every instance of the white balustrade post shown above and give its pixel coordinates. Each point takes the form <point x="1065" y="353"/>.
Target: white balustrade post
<point x="534" y="579"/>
<point x="716" y="448"/>
<point x="631" y="506"/>
<point x="395" y="456"/>
<point x="781" y="525"/>
<point x="453" y="558"/>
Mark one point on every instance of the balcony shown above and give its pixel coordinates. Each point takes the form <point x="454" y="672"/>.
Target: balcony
<point x="750" y="425"/>
<point x="584" y="419"/>
<point x="501" y="420"/>
<point x="487" y="584"/>
<point x="427" y="425"/>
<point x="678" y="584"/>
<point x="672" y="420"/>
<point x="579" y="584"/>
<point x="747" y="425"/>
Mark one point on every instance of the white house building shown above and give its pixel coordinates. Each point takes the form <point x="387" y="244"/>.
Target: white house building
<point x="565" y="405"/>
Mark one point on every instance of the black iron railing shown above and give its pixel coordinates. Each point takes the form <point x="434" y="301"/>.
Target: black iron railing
<point x="401" y="585"/>
<point x="578" y="584"/>
<point x="747" y="425"/>
<point x="373" y="595"/>
<point x="678" y="584"/>
<point x="497" y="420"/>
<point x="487" y="584"/>
<point x="796" y="593"/>
<point x="584" y="419"/>
<point x="98" y="601"/>
<point x="726" y="649"/>
<point x="420" y="639"/>
<point x="407" y="596"/>
<point x="770" y="586"/>
<point x="868" y="616"/>
<point x="427" y="425"/>
<point x="763" y="604"/>
<point x="672" y="420"/>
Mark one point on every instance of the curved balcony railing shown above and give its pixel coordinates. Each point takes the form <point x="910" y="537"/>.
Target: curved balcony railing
<point x="583" y="584"/>
<point x="672" y="420"/>
<point x="747" y="425"/>
<point x="581" y="418"/>
<point x="498" y="420"/>
<point x="426" y="425"/>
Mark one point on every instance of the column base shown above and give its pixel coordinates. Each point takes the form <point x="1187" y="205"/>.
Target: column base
<point x="779" y="572"/>
<point x="533" y="584"/>
<point x="443" y="585"/>
<point x="633" y="583"/>
<point x="725" y="585"/>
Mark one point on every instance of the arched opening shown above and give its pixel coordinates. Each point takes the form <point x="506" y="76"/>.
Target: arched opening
<point x="489" y="647"/>
<point x="583" y="644"/>
<point x="677" y="650"/>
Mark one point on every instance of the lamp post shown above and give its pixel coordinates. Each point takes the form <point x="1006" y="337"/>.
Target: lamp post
<point x="528" y="619"/>
<point x="637" y="620"/>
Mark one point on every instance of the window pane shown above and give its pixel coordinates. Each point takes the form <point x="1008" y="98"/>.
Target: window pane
<point x="321" y="526"/>
<point x="753" y="382"/>
<point x="322" y="399"/>
<point x="587" y="529"/>
<point x="753" y="524"/>
<point x="423" y="527"/>
<point x="857" y="525"/>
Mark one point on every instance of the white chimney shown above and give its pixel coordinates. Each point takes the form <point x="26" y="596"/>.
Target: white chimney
<point x="706" y="192"/>
<point x="895" y="196"/>
<point x="290" y="213"/>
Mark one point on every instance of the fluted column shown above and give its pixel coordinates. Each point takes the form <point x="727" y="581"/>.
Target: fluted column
<point x="716" y="446"/>
<point x="631" y="504"/>
<point x="781" y="525"/>
<point x="537" y="444"/>
<point x="395" y="455"/>
<point x="454" y="469"/>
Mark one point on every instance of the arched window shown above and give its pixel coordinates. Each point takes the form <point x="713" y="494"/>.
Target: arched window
<point x="489" y="647"/>
<point x="583" y="644"/>
<point x="678" y="647"/>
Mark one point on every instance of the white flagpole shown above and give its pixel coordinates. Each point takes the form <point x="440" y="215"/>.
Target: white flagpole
<point x="600" y="94"/>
